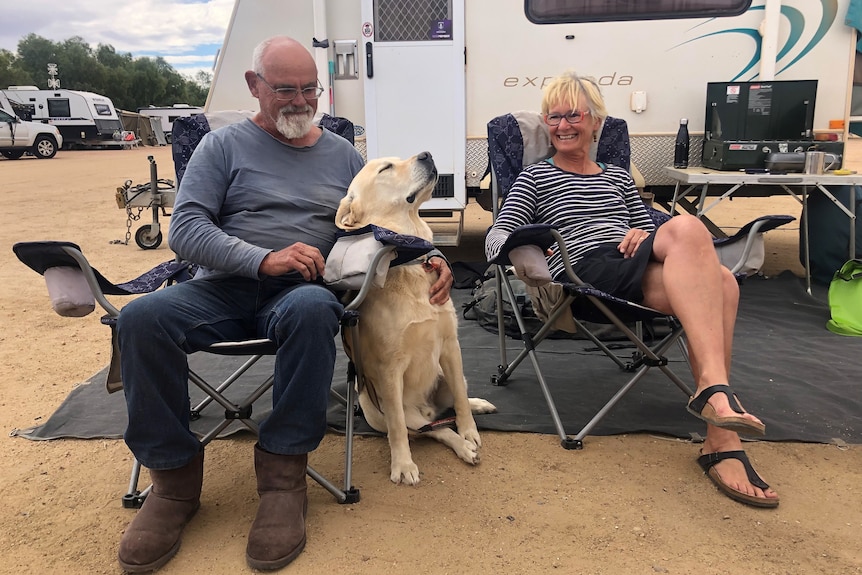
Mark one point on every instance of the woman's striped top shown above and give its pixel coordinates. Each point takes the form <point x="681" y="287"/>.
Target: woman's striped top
<point x="588" y="210"/>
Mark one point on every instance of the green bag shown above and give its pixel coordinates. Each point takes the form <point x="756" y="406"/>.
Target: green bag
<point x="845" y="299"/>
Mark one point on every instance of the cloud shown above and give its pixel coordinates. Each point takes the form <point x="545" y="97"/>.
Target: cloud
<point x="186" y="33"/>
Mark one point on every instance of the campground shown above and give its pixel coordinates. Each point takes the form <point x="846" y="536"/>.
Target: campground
<point x="627" y="504"/>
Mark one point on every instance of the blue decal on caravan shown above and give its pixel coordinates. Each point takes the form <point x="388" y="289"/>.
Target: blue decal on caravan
<point x="796" y="20"/>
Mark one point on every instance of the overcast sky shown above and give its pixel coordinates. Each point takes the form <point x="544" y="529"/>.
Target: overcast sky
<point x="186" y="33"/>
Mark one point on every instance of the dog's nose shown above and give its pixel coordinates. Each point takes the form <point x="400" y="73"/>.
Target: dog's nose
<point x="425" y="157"/>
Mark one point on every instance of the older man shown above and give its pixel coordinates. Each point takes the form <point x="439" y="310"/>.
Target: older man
<point x="256" y="211"/>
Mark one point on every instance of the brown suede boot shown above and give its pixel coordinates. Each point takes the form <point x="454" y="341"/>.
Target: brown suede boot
<point x="277" y="535"/>
<point x="153" y="536"/>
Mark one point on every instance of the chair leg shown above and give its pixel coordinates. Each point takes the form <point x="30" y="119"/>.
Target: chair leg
<point x="242" y="412"/>
<point x="565" y="441"/>
<point x="351" y="492"/>
<point x="658" y="354"/>
<point x="133" y="499"/>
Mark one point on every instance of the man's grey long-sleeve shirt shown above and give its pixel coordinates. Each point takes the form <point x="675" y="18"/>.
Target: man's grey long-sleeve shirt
<point x="245" y="194"/>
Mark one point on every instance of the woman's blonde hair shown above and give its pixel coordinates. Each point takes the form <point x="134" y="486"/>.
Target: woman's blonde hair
<point x="567" y="89"/>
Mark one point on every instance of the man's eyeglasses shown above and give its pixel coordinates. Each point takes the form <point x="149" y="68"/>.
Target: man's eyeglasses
<point x="573" y="117"/>
<point x="288" y="94"/>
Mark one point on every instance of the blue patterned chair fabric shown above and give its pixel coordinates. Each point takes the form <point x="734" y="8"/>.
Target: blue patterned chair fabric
<point x="186" y="134"/>
<point x="341" y="126"/>
<point x="614" y="146"/>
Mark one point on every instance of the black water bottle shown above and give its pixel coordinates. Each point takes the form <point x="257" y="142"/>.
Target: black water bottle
<point x="680" y="151"/>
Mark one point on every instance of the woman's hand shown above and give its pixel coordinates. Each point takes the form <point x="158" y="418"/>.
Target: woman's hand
<point x="630" y="244"/>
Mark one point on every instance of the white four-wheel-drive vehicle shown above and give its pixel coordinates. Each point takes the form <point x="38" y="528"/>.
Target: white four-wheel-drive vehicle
<point x="18" y="137"/>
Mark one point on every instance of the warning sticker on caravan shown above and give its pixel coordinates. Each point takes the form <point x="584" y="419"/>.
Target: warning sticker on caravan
<point x="441" y="30"/>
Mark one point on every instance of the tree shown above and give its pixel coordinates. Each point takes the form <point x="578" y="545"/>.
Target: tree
<point x="11" y="73"/>
<point x="204" y="79"/>
<point x="129" y="82"/>
<point x="35" y="53"/>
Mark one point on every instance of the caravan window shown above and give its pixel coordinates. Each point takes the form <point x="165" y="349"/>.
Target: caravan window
<point x="565" y="11"/>
<point x="102" y="109"/>
<point x="412" y="21"/>
<point x="59" y="108"/>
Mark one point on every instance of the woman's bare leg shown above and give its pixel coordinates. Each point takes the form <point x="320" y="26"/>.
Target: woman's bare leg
<point x="688" y="281"/>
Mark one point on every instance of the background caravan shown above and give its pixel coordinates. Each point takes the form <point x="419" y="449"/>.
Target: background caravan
<point x="83" y="118"/>
<point x="167" y="115"/>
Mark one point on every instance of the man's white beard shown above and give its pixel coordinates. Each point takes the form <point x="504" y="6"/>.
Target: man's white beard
<point x="293" y="125"/>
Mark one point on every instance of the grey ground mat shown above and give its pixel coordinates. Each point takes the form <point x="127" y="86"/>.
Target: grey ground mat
<point x="798" y="377"/>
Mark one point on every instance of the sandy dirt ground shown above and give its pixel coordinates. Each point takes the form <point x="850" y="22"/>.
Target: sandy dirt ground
<point x="634" y="504"/>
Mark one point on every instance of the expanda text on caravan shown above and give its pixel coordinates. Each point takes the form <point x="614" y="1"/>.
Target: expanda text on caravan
<point x="539" y="82"/>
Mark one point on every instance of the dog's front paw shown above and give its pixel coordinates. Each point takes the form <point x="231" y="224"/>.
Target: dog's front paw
<point x="469" y="449"/>
<point x="407" y="473"/>
<point x="479" y="405"/>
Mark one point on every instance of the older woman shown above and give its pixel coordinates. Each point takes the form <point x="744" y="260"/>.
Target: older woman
<point x="614" y="246"/>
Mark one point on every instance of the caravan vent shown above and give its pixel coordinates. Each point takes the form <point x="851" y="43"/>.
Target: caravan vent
<point x="445" y="187"/>
<point x="409" y="20"/>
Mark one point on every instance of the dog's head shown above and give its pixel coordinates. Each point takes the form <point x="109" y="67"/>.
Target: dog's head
<point x="388" y="192"/>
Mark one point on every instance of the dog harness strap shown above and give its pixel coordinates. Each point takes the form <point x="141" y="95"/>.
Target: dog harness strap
<point x="445" y="422"/>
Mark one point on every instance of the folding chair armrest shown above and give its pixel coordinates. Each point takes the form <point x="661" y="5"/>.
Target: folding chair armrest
<point x="45" y="255"/>
<point x="750" y="231"/>
<point x="564" y="254"/>
<point x="41" y="256"/>
<point x="92" y="280"/>
<point x="539" y="235"/>
<point x="531" y="265"/>
<point x="525" y="249"/>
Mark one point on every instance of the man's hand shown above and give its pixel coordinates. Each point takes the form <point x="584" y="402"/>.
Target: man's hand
<point x="630" y="244"/>
<point x="303" y="258"/>
<point x="440" y="289"/>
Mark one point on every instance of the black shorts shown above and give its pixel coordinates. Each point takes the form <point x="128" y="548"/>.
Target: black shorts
<point x="606" y="269"/>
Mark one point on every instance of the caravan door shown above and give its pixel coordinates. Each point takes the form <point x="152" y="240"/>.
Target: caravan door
<point x="414" y="87"/>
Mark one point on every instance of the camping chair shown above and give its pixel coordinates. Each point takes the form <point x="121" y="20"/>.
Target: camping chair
<point x="522" y="138"/>
<point x="75" y="286"/>
<point x="88" y="285"/>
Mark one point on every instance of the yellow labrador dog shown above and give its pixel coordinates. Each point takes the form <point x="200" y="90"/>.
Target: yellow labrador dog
<point x="409" y="347"/>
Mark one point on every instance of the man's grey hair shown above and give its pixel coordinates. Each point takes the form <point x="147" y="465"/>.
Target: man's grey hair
<point x="257" y="55"/>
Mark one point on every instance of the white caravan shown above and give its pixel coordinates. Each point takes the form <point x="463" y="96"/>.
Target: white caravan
<point x="83" y="118"/>
<point x="429" y="74"/>
<point x="167" y="115"/>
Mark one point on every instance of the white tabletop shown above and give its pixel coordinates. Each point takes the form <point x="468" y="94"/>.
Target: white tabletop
<point x="700" y="176"/>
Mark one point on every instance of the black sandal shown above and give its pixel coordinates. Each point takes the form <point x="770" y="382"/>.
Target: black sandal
<point x="699" y="407"/>
<point x="707" y="463"/>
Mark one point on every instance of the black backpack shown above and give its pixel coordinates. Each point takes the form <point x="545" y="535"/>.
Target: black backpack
<point x="482" y="307"/>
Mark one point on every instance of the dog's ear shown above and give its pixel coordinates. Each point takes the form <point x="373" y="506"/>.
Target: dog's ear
<point x="347" y="215"/>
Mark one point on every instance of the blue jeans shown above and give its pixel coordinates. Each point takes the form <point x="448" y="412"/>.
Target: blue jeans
<point x="157" y="332"/>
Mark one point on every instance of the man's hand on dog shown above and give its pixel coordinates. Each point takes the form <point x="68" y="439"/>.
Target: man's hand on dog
<point x="440" y="289"/>
<point x="300" y="257"/>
